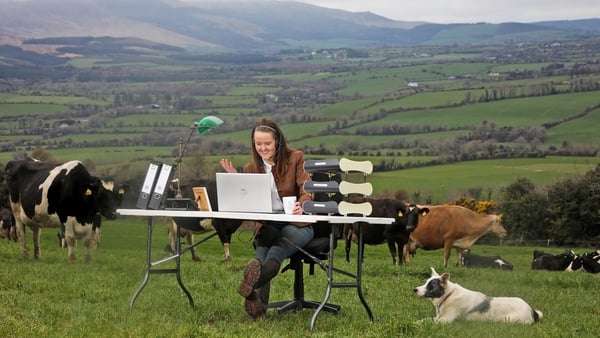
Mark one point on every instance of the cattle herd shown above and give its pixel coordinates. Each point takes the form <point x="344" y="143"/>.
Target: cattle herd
<point x="566" y="261"/>
<point x="66" y="196"/>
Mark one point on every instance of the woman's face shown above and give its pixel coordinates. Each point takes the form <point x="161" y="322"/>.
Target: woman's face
<point x="264" y="143"/>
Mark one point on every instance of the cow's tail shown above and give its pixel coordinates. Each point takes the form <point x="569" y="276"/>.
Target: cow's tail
<point x="62" y="242"/>
<point x="347" y="231"/>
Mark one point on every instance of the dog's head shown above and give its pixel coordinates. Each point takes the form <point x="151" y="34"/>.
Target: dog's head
<point x="434" y="287"/>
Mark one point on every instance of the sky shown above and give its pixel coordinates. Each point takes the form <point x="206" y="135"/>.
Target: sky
<point x="467" y="11"/>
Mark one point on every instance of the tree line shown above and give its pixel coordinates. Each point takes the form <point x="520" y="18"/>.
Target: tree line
<point x="565" y="213"/>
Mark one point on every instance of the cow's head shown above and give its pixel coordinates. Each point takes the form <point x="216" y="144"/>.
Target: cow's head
<point x="118" y="190"/>
<point x="497" y="228"/>
<point x="411" y="216"/>
<point x="103" y="200"/>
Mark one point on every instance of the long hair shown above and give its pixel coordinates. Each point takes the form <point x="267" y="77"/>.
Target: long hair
<point x="281" y="148"/>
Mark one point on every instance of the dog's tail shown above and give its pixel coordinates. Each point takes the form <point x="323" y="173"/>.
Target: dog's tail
<point x="537" y="315"/>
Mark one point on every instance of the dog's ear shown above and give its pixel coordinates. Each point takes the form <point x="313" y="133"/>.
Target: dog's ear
<point x="445" y="277"/>
<point x="434" y="273"/>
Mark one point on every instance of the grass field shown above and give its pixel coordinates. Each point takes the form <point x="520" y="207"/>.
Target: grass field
<point x="53" y="298"/>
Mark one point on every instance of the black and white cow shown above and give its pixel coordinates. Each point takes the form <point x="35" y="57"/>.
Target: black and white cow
<point x="470" y="260"/>
<point x="44" y="194"/>
<point x="396" y="235"/>
<point x="566" y="261"/>
<point x="591" y="261"/>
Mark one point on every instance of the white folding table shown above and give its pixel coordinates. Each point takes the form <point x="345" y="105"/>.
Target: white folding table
<point x="150" y="214"/>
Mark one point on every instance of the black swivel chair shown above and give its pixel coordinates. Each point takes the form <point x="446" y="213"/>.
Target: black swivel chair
<point x="328" y="193"/>
<point x="316" y="250"/>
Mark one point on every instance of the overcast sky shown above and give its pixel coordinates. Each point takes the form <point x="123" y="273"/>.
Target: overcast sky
<point x="468" y="11"/>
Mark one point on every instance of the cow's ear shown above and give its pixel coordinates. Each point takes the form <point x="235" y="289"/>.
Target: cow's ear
<point x="424" y="211"/>
<point x="400" y="214"/>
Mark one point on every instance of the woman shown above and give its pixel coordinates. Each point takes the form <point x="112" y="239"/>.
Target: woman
<point x="270" y="154"/>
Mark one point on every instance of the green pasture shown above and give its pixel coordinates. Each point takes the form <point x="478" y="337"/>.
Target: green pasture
<point x="382" y="81"/>
<point x="521" y="67"/>
<point x="583" y="130"/>
<point x="251" y="89"/>
<point x="48" y="99"/>
<point x="153" y="118"/>
<point x="345" y="109"/>
<point x="296" y="77"/>
<point x="446" y="183"/>
<point x="533" y="111"/>
<point x="53" y="298"/>
<point x="372" y="143"/>
<point x="88" y="62"/>
<point x="30" y="109"/>
<point x="112" y="157"/>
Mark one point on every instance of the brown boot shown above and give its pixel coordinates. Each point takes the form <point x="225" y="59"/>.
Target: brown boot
<point x="263" y="295"/>
<point x="252" y="273"/>
<point x="269" y="270"/>
<point x="253" y="306"/>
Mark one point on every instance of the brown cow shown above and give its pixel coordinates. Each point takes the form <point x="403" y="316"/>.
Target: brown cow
<point x="452" y="226"/>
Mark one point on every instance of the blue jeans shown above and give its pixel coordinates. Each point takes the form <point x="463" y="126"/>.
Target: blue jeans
<point x="281" y="250"/>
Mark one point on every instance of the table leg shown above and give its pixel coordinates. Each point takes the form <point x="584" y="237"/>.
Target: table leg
<point x="178" y="267"/>
<point x="148" y="263"/>
<point x="329" y="271"/>
<point x="359" y="272"/>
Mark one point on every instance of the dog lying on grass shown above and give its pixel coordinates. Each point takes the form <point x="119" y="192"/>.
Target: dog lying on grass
<point x="452" y="301"/>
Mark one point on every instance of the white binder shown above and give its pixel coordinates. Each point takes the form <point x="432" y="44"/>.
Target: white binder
<point x="148" y="186"/>
<point x="158" y="194"/>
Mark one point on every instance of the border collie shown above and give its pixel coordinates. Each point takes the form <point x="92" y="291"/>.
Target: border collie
<point x="452" y="301"/>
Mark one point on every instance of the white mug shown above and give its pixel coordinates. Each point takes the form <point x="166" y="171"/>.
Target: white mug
<point x="289" y="203"/>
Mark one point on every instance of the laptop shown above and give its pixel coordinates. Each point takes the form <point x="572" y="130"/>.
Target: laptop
<point x="244" y="192"/>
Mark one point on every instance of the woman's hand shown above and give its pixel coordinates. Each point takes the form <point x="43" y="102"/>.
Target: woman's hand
<point x="297" y="209"/>
<point x="228" y="166"/>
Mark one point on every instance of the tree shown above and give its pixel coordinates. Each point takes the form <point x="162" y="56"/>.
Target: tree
<point x="524" y="212"/>
<point x="573" y="204"/>
<point x="41" y="155"/>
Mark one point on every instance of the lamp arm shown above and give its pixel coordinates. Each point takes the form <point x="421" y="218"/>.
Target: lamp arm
<point x="180" y="158"/>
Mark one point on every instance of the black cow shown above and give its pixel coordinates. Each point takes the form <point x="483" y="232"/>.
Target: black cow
<point x="475" y="261"/>
<point x="190" y="226"/>
<point x="396" y="235"/>
<point x="8" y="225"/>
<point x="566" y="261"/>
<point x="45" y="194"/>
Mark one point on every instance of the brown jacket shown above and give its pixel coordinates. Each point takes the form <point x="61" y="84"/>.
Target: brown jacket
<point x="292" y="181"/>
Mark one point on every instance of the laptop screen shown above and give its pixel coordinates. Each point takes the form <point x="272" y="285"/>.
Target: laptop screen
<point x="244" y="192"/>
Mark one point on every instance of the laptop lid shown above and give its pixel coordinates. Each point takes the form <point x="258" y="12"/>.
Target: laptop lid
<point x="244" y="192"/>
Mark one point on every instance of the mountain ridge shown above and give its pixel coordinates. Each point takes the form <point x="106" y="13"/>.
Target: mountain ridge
<point x="256" y="26"/>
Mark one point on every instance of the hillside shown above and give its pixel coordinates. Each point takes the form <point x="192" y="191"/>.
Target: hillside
<point x="252" y="26"/>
